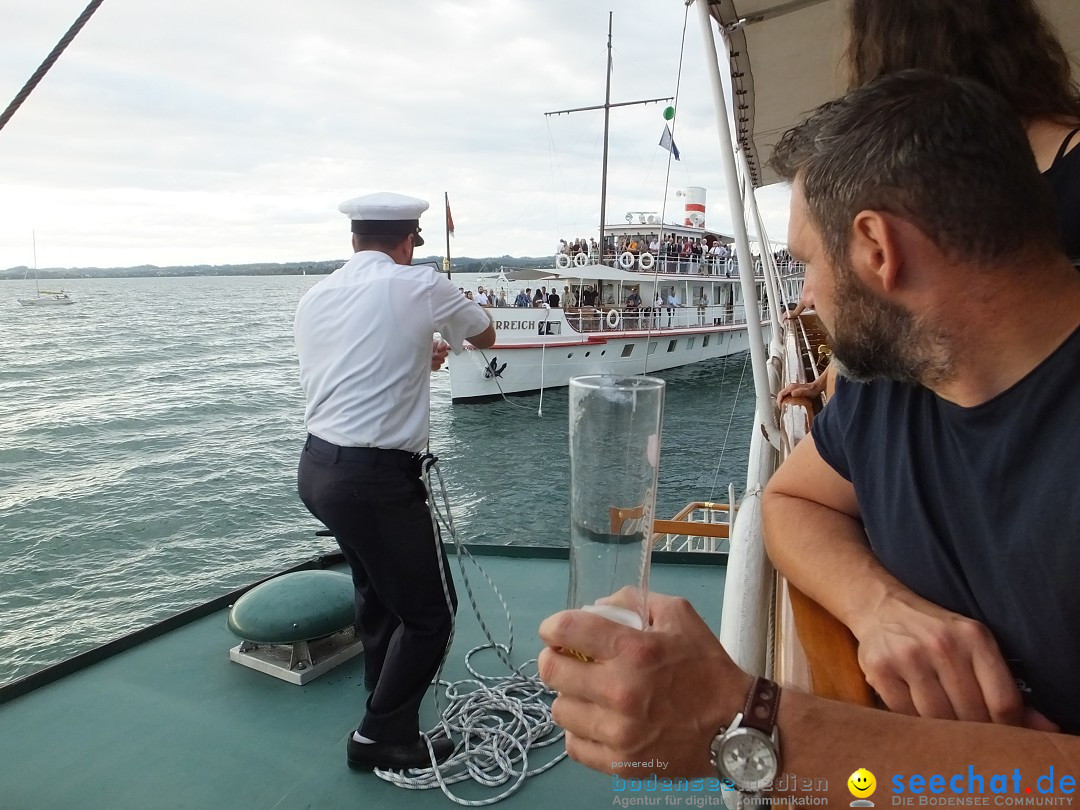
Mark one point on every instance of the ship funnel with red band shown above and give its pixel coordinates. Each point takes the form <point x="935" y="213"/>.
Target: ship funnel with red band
<point x="694" y="216"/>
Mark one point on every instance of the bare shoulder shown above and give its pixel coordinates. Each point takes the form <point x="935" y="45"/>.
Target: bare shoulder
<point x="1046" y="135"/>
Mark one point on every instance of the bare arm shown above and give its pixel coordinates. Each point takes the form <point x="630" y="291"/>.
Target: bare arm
<point x="661" y="695"/>
<point x="486" y="339"/>
<point x="919" y="657"/>
<point x="815" y="537"/>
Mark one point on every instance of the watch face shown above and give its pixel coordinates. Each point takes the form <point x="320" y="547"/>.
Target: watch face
<point x="748" y="758"/>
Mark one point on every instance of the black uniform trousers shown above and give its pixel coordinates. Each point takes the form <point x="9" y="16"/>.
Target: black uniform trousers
<point x="375" y="504"/>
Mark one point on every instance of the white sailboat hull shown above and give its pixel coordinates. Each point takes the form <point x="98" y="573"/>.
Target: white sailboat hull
<point x="46" y="301"/>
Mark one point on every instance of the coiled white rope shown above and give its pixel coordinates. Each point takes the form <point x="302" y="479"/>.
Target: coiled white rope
<point x="500" y="718"/>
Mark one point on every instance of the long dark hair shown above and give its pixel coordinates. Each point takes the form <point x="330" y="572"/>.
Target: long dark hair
<point x="1005" y="44"/>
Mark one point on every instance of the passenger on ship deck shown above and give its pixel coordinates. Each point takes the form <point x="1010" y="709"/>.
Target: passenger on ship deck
<point x="673" y="303"/>
<point x="633" y="309"/>
<point x="956" y="461"/>
<point x="991" y="391"/>
<point x="364" y="340"/>
<point x="719" y="255"/>
<point x="1009" y="47"/>
<point x="1006" y="45"/>
<point x="696" y="252"/>
<point x="658" y="309"/>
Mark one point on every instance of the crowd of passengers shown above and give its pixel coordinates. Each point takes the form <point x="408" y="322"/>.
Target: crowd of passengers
<point x="683" y="248"/>
<point x="589" y="295"/>
<point x="672" y="254"/>
<point x="527" y="298"/>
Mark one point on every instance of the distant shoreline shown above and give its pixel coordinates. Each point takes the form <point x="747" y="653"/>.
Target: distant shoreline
<point x="313" y="268"/>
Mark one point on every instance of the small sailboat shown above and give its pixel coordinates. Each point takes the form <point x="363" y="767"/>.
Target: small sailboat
<point x="45" y="298"/>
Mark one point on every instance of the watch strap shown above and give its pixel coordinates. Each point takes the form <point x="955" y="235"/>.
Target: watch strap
<point x="762" y="704"/>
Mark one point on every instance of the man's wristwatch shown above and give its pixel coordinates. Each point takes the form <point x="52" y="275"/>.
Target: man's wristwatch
<point x="747" y="753"/>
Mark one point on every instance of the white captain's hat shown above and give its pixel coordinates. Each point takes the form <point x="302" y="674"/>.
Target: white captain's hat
<point x="385" y="214"/>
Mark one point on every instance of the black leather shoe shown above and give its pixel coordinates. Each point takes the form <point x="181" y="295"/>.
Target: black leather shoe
<point x="397" y="756"/>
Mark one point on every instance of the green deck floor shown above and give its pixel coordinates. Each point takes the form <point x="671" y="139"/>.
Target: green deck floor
<point x="173" y="723"/>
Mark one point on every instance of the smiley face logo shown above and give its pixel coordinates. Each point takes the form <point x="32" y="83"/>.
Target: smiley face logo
<point x="862" y="784"/>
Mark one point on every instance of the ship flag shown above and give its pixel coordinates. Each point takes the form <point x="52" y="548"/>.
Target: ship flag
<point x="668" y="142"/>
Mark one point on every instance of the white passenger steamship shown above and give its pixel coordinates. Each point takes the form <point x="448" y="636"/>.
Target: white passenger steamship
<point x="600" y="328"/>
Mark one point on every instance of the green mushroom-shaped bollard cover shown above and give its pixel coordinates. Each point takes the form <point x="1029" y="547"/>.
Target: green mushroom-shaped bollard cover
<point x="294" y="607"/>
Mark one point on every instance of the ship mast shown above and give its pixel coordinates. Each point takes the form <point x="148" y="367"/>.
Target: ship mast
<point x="606" y="107"/>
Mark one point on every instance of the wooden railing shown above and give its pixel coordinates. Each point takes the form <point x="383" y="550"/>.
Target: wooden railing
<point x="700" y="526"/>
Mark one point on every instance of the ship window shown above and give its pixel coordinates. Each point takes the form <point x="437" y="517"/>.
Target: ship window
<point x="628" y="350"/>
<point x="690" y="343"/>
<point x="672" y="344"/>
<point x="652" y="347"/>
<point x="587" y="353"/>
<point x="705" y="341"/>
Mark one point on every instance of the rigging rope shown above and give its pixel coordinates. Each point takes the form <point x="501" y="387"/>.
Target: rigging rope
<point x="543" y="356"/>
<point x="727" y="431"/>
<point x="50" y="60"/>
<point x="671" y="152"/>
<point x="501" y="718"/>
<point x="663" y="205"/>
<point x="495" y="379"/>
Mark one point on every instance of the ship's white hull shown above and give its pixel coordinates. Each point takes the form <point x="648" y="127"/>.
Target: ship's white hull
<point x="518" y="365"/>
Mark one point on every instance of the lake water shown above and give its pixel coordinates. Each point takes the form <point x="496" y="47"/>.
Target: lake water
<point x="149" y="436"/>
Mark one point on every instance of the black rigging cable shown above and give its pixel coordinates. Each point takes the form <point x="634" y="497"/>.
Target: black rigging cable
<point x="39" y="74"/>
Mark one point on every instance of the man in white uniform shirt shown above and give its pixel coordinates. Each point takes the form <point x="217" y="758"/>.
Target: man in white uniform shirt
<point x="364" y="340"/>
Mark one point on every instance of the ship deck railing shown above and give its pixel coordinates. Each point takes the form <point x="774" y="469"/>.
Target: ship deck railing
<point x="701" y="526"/>
<point x="600" y="319"/>
<point x="649" y="263"/>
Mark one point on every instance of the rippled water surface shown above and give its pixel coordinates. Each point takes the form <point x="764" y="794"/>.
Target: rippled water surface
<point x="149" y="436"/>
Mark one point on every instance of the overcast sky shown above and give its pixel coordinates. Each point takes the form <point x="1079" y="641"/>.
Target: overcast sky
<point x="228" y="131"/>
